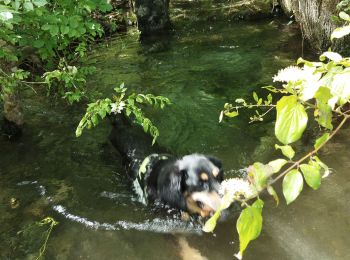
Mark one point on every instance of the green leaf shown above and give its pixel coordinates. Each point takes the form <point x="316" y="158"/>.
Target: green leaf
<point x="145" y="125"/>
<point x="292" y="185"/>
<point x="240" y="101"/>
<point x="326" y="170"/>
<point x="291" y="120"/>
<point x="309" y="63"/>
<point x="74" y="23"/>
<point x="340" y="87"/>
<point x="139" y="99"/>
<point x="259" y="173"/>
<point x="226" y="201"/>
<point x="312" y="175"/>
<point x="255" y="96"/>
<point x="104" y="6"/>
<point x="231" y="114"/>
<point x="39" y="3"/>
<point x="72" y="33"/>
<point x="269" y="98"/>
<point x="321" y="140"/>
<point x="324" y="115"/>
<point x="46" y="27"/>
<point x="344" y="16"/>
<point x="287" y="150"/>
<point x="81" y="30"/>
<point x="54" y="30"/>
<point x="249" y="224"/>
<point x="277" y="164"/>
<point x="94" y="119"/>
<point x="211" y="223"/>
<point x="64" y="29"/>
<point x="323" y="94"/>
<point x="38" y="44"/>
<point x="28" y="6"/>
<point x="78" y="131"/>
<point x="334" y="56"/>
<point x="16" y="5"/>
<point x="273" y="193"/>
<point x="340" y="32"/>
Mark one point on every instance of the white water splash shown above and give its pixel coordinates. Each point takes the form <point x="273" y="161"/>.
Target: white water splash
<point x="156" y="225"/>
<point x="22" y="183"/>
<point x="167" y="225"/>
<point x="113" y="195"/>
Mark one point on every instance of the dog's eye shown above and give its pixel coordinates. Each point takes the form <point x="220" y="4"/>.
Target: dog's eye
<point x="204" y="176"/>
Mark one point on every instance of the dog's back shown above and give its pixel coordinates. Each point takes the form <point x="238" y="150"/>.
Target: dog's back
<point x="133" y="144"/>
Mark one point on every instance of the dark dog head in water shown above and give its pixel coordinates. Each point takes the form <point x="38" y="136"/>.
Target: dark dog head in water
<point x="191" y="183"/>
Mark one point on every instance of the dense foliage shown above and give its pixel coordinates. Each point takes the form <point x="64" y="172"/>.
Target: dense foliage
<point x="308" y="91"/>
<point x="49" y="36"/>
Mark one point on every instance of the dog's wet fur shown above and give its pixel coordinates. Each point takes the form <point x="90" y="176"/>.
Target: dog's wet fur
<point x="190" y="183"/>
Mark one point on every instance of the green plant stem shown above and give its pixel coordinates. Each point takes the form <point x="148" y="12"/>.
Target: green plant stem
<point x="251" y="106"/>
<point x="32" y="82"/>
<point x="264" y="114"/>
<point x="296" y="163"/>
<point x="43" y="247"/>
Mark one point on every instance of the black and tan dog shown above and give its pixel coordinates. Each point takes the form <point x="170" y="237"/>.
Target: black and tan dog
<point x="190" y="183"/>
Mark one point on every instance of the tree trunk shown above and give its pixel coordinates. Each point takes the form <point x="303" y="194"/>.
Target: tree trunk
<point x="152" y="16"/>
<point x="314" y="17"/>
<point x="13" y="116"/>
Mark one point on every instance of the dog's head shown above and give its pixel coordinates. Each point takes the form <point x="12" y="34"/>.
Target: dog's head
<point x="200" y="182"/>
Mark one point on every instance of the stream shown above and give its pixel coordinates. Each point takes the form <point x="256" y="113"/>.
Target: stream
<point x="82" y="184"/>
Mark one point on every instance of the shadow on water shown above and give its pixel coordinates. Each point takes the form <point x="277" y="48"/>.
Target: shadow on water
<point x="82" y="184"/>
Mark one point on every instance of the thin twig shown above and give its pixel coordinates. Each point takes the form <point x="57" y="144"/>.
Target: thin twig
<point x="264" y="114"/>
<point x="33" y="82"/>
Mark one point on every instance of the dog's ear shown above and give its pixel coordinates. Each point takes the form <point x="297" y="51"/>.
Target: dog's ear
<point x="171" y="189"/>
<point x="219" y="175"/>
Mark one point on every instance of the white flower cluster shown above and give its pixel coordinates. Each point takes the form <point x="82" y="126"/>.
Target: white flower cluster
<point x="236" y="187"/>
<point x="310" y="78"/>
<point x="294" y="73"/>
<point x="117" y="107"/>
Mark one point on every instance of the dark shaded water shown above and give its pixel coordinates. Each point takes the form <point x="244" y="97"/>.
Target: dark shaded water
<point x="81" y="183"/>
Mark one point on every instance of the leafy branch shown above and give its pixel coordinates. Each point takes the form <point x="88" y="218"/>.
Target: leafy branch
<point x="323" y="87"/>
<point x="128" y="104"/>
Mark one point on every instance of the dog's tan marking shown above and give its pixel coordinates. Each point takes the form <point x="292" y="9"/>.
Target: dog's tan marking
<point x="215" y="172"/>
<point x="193" y="208"/>
<point x="192" y="205"/>
<point x="204" y="176"/>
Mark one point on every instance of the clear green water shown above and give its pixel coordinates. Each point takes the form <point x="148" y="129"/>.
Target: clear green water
<point x="82" y="184"/>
